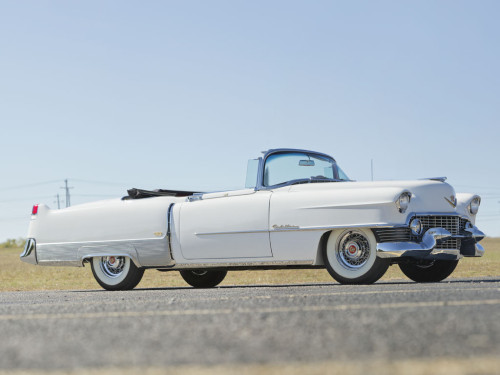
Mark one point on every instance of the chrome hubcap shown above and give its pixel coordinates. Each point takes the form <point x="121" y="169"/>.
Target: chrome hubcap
<point x="112" y="266"/>
<point x="353" y="250"/>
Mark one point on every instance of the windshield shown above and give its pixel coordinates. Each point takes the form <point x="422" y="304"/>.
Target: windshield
<point x="284" y="167"/>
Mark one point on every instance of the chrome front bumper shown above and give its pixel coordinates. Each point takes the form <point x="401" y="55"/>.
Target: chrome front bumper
<point x="426" y="249"/>
<point x="29" y="253"/>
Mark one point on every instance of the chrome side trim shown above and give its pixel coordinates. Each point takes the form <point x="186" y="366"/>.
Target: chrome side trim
<point x="243" y="264"/>
<point x="232" y="232"/>
<point x="144" y="253"/>
<point x="29" y="253"/>
<point x="298" y="229"/>
<point x="169" y="230"/>
<point x="330" y="227"/>
<point x="84" y="243"/>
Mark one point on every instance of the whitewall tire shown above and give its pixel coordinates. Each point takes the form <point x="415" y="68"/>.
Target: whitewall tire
<point x="116" y="272"/>
<point x="350" y="256"/>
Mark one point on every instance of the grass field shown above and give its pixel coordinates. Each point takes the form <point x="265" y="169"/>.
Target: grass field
<point x="18" y="276"/>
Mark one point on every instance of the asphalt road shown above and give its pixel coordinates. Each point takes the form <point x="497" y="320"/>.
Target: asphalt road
<point x="253" y="325"/>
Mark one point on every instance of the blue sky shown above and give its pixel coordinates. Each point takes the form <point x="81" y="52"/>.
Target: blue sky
<point x="120" y="94"/>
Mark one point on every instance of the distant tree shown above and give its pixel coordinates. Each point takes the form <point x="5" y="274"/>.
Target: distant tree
<point x="11" y="243"/>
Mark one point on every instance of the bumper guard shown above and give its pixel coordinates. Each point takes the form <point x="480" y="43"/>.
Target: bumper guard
<point x="29" y="253"/>
<point x="426" y="248"/>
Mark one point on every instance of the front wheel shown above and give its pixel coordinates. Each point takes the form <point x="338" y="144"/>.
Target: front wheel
<point x="350" y="257"/>
<point x="116" y="273"/>
<point x="430" y="271"/>
<point x="203" y="278"/>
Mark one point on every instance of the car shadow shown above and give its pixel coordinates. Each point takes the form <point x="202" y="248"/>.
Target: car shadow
<point x="450" y="281"/>
<point x="332" y="284"/>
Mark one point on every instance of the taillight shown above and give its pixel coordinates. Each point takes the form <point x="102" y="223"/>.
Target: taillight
<point x="34" y="210"/>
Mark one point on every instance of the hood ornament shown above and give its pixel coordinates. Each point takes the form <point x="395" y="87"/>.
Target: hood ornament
<point x="452" y="201"/>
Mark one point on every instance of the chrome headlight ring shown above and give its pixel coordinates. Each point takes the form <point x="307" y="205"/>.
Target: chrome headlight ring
<point x="474" y="205"/>
<point x="416" y="226"/>
<point x="403" y="201"/>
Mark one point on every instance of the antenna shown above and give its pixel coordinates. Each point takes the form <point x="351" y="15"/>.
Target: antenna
<point x="372" y="168"/>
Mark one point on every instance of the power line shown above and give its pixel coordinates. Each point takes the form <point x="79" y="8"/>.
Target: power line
<point x="101" y="182"/>
<point x="95" y="195"/>
<point x="56" y="181"/>
<point x="25" y="200"/>
<point x="29" y="185"/>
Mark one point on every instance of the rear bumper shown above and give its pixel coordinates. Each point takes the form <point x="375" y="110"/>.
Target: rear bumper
<point x="426" y="249"/>
<point x="29" y="253"/>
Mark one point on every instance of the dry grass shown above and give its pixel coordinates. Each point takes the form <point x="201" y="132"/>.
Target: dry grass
<point x="481" y="365"/>
<point x="18" y="276"/>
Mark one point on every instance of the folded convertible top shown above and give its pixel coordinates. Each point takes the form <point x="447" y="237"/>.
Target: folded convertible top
<point x="140" y="193"/>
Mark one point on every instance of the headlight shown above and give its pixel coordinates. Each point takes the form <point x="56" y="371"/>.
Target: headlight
<point x="403" y="201"/>
<point x="474" y="205"/>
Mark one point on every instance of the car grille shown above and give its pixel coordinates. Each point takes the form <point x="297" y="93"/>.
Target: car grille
<point x="453" y="224"/>
<point x="393" y="234"/>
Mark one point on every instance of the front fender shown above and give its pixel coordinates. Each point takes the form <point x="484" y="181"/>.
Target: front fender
<point x="463" y="201"/>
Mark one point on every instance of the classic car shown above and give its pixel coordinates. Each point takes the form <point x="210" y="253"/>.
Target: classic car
<point x="298" y="210"/>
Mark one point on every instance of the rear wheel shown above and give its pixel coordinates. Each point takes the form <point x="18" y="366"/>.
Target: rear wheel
<point x="350" y="257"/>
<point x="430" y="271"/>
<point x="203" y="278"/>
<point x="116" y="273"/>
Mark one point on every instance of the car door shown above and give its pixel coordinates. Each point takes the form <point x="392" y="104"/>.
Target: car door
<point x="226" y="225"/>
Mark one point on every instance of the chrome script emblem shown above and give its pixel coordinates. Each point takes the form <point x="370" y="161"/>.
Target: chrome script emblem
<point x="286" y="226"/>
<point x="452" y="201"/>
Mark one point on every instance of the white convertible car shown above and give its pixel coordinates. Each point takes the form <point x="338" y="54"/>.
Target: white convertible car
<point x="298" y="210"/>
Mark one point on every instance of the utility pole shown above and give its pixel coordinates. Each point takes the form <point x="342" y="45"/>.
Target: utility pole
<point x="58" y="202"/>
<point x="372" y="169"/>
<point x="66" y="187"/>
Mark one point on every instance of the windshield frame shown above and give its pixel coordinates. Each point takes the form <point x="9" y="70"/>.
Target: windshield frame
<point x="267" y="154"/>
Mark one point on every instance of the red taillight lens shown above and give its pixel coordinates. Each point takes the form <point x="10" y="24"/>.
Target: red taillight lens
<point x="34" y="211"/>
